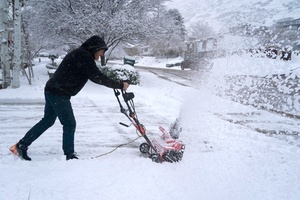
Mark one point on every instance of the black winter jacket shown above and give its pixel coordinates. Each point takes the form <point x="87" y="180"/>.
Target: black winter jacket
<point x="77" y="68"/>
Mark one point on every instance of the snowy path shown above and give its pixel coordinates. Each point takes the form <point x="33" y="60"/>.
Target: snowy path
<point x="97" y="128"/>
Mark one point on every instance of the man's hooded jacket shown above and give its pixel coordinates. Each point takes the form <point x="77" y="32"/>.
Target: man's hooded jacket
<point x="77" y="68"/>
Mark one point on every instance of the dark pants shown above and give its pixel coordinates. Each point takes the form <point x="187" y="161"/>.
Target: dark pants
<point x="56" y="106"/>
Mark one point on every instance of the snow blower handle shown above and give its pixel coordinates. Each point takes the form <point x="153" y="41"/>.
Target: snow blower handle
<point x="117" y="93"/>
<point x="130" y="111"/>
<point x="127" y="97"/>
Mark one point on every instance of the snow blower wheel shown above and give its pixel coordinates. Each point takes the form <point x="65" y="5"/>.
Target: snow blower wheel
<point x="144" y="148"/>
<point x="155" y="158"/>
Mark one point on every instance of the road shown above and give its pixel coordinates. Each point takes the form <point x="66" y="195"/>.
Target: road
<point x="181" y="77"/>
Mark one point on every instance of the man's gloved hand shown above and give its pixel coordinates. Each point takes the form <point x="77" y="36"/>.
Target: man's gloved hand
<point x="126" y="85"/>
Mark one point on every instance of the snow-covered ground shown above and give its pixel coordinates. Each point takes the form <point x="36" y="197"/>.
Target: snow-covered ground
<point x="222" y="160"/>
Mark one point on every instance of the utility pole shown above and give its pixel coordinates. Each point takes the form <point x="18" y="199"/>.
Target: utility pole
<point x="4" y="55"/>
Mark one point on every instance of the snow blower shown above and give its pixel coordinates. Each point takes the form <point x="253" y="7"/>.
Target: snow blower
<point x="164" y="148"/>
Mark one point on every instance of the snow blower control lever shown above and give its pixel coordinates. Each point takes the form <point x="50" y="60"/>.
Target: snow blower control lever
<point x="161" y="149"/>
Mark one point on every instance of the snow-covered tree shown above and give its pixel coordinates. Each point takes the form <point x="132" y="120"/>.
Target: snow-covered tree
<point x="54" y="23"/>
<point x="27" y="53"/>
<point x="167" y="39"/>
<point x="11" y="42"/>
<point x="69" y="23"/>
<point x="4" y="55"/>
<point x="201" y="30"/>
<point x="17" y="44"/>
<point x="178" y="22"/>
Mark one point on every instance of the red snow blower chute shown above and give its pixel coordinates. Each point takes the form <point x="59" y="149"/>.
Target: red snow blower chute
<point x="164" y="148"/>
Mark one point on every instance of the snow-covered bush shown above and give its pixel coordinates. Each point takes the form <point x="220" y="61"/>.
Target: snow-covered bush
<point x="52" y="65"/>
<point x="121" y="73"/>
<point x="53" y="56"/>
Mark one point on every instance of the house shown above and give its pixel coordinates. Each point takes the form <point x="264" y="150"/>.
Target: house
<point x="198" y="51"/>
<point x="289" y="23"/>
<point x="204" y="47"/>
<point x="134" y="50"/>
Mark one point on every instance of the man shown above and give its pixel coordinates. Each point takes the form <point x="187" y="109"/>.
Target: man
<point x="71" y="75"/>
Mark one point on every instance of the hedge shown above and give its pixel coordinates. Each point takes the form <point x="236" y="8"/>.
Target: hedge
<point x="121" y="73"/>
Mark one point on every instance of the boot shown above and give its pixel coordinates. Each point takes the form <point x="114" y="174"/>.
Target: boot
<point x="20" y="150"/>
<point x="72" y="156"/>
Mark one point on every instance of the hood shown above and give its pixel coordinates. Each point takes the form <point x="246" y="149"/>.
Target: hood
<point x="94" y="44"/>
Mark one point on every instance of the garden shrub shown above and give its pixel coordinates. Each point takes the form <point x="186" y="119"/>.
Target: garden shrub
<point x="121" y="73"/>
